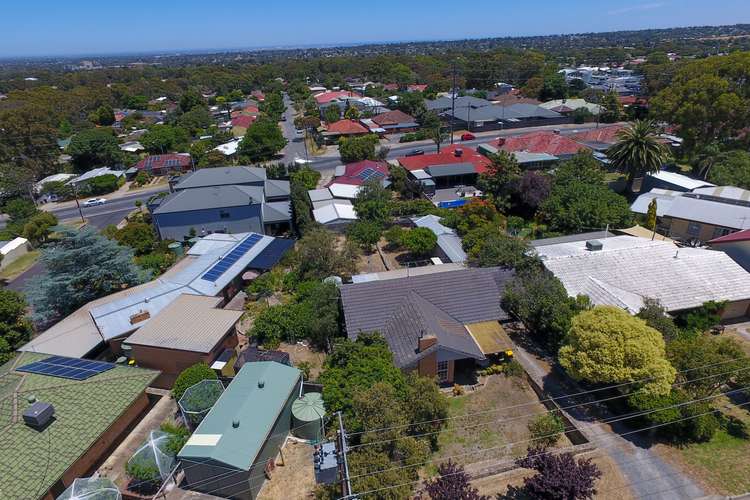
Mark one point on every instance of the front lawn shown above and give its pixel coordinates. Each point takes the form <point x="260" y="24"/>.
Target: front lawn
<point x="20" y="265"/>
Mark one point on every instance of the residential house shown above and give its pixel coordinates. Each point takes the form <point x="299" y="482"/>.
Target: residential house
<point x="132" y="147"/>
<point x="241" y="123"/>
<point x="103" y="323"/>
<point x="359" y="172"/>
<point x="191" y="329"/>
<point x="85" y="177"/>
<point x="568" y="106"/>
<point x="600" y="138"/>
<point x="57" y="428"/>
<point x="446" y="103"/>
<point x="736" y="245"/>
<point x="332" y="95"/>
<point x="624" y="270"/>
<point x="702" y="214"/>
<point x="343" y="128"/>
<point x="502" y="117"/>
<point x="543" y="142"/>
<point x="448" y="177"/>
<point x="254" y="410"/>
<point x="435" y="324"/>
<point x="396" y="121"/>
<point x="673" y="181"/>
<point x="165" y="164"/>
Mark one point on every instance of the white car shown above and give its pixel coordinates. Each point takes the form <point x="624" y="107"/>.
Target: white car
<point x="94" y="202"/>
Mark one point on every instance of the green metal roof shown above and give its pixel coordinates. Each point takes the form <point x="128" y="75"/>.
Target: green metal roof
<point x="255" y="408"/>
<point x="31" y="461"/>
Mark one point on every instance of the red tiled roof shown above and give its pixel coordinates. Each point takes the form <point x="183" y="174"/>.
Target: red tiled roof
<point x="390" y="86"/>
<point x="353" y="170"/>
<point x="243" y="121"/>
<point x="329" y="96"/>
<point x="743" y="235"/>
<point x="606" y="135"/>
<point x="539" y="142"/>
<point x="347" y="127"/>
<point x="417" y="87"/>
<point x="258" y="95"/>
<point x="250" y="109"/>
<point x="160" y="161"/>
<point x="393" y="118"/>
<point x="446" y="156"/>
<point x="629" y="100"/>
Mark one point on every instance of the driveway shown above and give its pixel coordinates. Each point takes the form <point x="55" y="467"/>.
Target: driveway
<point x="647" y="474"/>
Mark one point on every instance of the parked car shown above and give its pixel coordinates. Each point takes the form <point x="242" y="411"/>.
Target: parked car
<point x="94" y="202"/>
<point x="468" y="136"/>
<point x="415" y="152"/>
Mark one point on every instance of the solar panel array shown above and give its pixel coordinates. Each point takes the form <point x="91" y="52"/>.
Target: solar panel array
<point x="70" y="368"/>
<point x="369" y="173"/>
<point x="229" y="259"/>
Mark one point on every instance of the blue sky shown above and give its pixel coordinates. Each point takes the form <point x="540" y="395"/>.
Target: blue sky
<point x="52" y="27"/>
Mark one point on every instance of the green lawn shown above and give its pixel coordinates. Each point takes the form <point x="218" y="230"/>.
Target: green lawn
<point x="722" y="462"/>
<point x="19" y="265"/>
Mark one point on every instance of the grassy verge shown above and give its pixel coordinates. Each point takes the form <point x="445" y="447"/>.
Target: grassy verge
<point x="722" y="462"/>
<point x="18" y="266"/>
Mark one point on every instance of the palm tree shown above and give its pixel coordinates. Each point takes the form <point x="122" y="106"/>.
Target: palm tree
<point x="638" y="151"/>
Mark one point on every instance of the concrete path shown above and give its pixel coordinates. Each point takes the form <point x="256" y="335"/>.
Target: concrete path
<point x="647" y="474"/>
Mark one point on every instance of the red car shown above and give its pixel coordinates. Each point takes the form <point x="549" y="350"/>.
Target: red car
<point x="468" y="137"/>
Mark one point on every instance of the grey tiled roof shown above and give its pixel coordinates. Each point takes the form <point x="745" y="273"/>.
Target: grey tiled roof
<point x="210" y="197"/>
<point x="401" y="309"/>
<point x="276" y="188"/>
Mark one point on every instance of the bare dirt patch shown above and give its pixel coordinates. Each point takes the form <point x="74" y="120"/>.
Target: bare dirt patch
<point x="294" y="479"/>
<point x="299" y="353"/>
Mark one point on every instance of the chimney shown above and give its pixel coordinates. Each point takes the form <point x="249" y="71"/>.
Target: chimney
<point x="458" y="152"/>
<point x="500" y="142"/>
<point x="594" y="245"/>
<point x="426" y="341"/>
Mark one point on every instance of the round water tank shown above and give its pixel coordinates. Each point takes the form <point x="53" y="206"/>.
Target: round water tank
<point x="307" y="417"/>
<point x="176" y="248"/>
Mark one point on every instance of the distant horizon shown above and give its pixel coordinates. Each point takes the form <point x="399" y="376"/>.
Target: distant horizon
<point x="49" y="32"/>
<point x="334" y="45"/>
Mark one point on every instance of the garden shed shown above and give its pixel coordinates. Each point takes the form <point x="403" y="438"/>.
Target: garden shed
<point x="255" y="410"/>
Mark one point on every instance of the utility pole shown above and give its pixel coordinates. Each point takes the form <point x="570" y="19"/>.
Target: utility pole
<point x="346" y="484"/>
<point x="80" y="212"/>
<point x="453" y="100"/>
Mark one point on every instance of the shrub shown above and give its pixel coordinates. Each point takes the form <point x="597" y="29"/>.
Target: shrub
<point x="178" y="436"/>
<point x="514" y="369"/>
<point x="458" y="390"/>
<point x="419" y="241"/>
<point x="305" y="367"/>
<point x="191" y="376"/>
<point x="546" y="430"/>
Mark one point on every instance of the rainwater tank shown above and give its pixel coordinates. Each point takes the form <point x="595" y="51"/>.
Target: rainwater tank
<point x="307" y="417"/>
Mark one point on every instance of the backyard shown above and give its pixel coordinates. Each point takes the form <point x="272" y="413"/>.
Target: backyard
<point x="18" y="266"/>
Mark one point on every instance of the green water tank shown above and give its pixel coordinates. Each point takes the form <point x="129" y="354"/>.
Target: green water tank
<point x="176" y="248"/>
<point x="307" y="417"/>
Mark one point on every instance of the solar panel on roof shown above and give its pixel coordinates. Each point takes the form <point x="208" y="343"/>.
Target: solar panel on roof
<point x="70" y="368"/>
<point x="229" y="260"/>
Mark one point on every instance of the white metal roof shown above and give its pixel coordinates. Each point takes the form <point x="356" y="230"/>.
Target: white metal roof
<point x="335" y="212"/>
<point x="629" y="269"/>
<point x="343" y="190"/>
<point x="681" y="180"/>
<point x="228" y="148"/>
<point x="664" y="199"/>
<point x="13" y="244"/>
<point x="319" y="194"/>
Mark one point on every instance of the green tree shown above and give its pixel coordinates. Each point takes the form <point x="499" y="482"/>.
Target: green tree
<point x="540" y="301"/>
<point x="612" y="108"/>
<point x="93" y="148"/>
<point x="731" y="169"/>
<point x="196" y="120"/>
<point x="190" y="99"/>
<point x="608" y="345"/>
<point x="262" y="142"/>
<point x="80" y="267"/>
<point x="104" y="116"/>
<point x="351" y="113"/>
<point x="15" y="329"/>
<point x="489" y="247"/>
<point x="411" y="103"/>
<point x="38" y="227"/>
<point x="430" y="123"/>
<point x="655" y="315"/>
<point x="365" y="233"/>
<point x="546" y="430"/>
<point x="161" y="139"/>
<point x="582" y="167"/>
<point x="577" y="206"/>
<point x="139" y="236"/>
<point x="358" y="148"/>
<point x="320" y="256"/>
<point x="191" y="376"/>
<point x="372" y="202"/>
<point x="651" y="217"/>
<point x="553" y="87"/>
<point x="497" y="181"/>
<point x="419" y="241"/>
<point x="332" y="114"/>
<point x="27" y="146"/>
<point x="638" y="151"/>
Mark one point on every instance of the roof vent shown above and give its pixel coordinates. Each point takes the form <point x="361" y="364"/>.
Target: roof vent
<point x="594" y="245"/>
<point x="235" y="423"/>
<point x="31" y="399"/>
<point x="261" y="383"/>
<point x="38" y="414"/>
<point x="459" y="152"/>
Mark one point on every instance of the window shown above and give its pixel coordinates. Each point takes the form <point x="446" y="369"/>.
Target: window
<point x="224" y="214"/>
<point x="721" y="231"/>
<point x="693" y="229"/>
<point x="442" y="371"/>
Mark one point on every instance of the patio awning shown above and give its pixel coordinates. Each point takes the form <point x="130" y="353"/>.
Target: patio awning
<point x="490" y="336"/>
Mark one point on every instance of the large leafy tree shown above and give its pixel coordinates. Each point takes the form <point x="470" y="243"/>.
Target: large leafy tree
<point x="451" y="483"/>
<point x="731" y="169"/>
<point x="372" y="202"/>
<point x="707" y="100"/>
<point x="499" y="178"/>
<point x="94" y="148"/>
<point x="263" y="140"/>
<point x="80" y="267"/>
<point x="358" y="148"/>
<point x="15" y="329"/>
<point x="612" y="109"/>
<point x="320" y="255"/>
<point x="540" y="301"/>
<point x="165" y="138"/>
<point x="638" y="150"/>
<point x="608" y="345"/>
